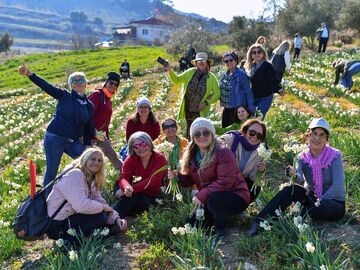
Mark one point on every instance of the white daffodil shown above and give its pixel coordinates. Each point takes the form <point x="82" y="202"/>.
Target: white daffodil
<point x="310" y="247"/>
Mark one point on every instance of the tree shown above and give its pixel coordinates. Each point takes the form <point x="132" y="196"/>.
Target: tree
<point x="6" y="41"/>
<point x="305" y="16"/>
<point x="99" y="23"/>
<point x="190" y="34"/>
<point x="244" y="32"/>
<point x="349" y="15"/>
<point x="273" y="7"/>
<point x="78" y="17"/>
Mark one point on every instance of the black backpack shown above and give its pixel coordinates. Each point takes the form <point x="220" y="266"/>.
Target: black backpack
<point x="32" y="221"/>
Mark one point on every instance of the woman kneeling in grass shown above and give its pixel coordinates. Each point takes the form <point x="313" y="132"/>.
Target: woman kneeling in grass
<point x="321" y="169"/>
<point x="213" y="169"/>
<point x="142" y="175"/>
<point x="85" y="209"/>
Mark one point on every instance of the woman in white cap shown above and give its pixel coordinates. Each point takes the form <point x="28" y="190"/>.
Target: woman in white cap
<point x="320" y="171"/>
<point x="143" y="120"/>
<point x="213" y="169"/>
<point x="199" y="89"/>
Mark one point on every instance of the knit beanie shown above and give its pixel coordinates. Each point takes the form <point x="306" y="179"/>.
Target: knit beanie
<point x="202" y="122"/>
<point x="143" y="101"/>
<point x="113" y="76"/>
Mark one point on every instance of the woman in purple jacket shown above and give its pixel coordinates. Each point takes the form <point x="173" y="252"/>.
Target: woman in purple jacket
<point x="213" y="169"/>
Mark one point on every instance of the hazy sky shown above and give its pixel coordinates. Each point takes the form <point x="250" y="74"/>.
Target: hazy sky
<point x="222" y="10"/>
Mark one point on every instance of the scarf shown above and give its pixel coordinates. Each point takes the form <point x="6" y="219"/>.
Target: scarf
<point x="246" y="145"/>
<point x="326" y="157"/>
<point x="107" y="92"/>
<point x="255" y="67"/>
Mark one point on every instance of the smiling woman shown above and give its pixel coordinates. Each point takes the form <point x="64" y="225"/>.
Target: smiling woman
<point x="85" y="209"/>
<point x="320" y="170"/>
<point x="72" y="120"/>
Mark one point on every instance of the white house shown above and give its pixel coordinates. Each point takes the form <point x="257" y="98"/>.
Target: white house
<point x="151" y="29"/>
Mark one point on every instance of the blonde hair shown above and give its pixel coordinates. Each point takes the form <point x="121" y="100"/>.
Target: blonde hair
<point x="259" y="38"/>
<point x="249" y="61"/>
<point x="99" y="177"/>
<point x="282" y="48"/>
<point x="190" y="152"/>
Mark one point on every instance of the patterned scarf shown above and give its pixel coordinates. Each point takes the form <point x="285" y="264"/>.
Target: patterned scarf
<point x="326" y="157"/>
<point x="255" y="67"/>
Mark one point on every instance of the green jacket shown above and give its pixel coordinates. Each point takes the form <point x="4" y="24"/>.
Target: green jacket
<point x="212" y="90"/>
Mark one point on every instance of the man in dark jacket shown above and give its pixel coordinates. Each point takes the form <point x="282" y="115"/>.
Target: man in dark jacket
<point x="348" y="68"/>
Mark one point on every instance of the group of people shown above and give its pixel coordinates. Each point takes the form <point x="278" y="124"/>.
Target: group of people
<point x="222" y="166"/>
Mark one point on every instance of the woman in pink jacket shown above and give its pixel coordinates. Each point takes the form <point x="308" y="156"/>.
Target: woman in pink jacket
<point x="84" y="209"/>
<point x="213" y="169"/>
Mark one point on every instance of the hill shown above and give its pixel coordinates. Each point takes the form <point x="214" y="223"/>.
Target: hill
<point x="47" y="24"/>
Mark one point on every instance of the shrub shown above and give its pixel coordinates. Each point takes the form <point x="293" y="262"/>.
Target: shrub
<point x="157" y="257"/>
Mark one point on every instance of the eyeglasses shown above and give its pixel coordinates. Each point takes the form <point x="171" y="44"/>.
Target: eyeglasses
<point x="321" y="136"/>
<point x="256" y="52"/>
<point x="169" y="126"/>
<point x="228" y="60"/>
<point x="112" y="83"/>
<point x="78" y="81"/>
<point x="258" y="135"/>
<point x="140" y="145"/>
<point x="198" y="134"/>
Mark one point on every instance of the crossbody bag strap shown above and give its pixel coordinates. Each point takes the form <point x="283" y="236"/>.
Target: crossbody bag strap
<point x="58" y="210"/>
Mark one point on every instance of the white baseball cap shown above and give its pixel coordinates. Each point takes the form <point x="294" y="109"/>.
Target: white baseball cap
<point x="320" y="123"/>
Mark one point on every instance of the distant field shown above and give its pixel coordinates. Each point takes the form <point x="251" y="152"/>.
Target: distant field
<point x="94" y="63"/>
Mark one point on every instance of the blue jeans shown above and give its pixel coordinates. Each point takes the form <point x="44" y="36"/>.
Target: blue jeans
<point x="347" y="81"/>
<point x="55" y="146"/>
<point x="263" y="104"/>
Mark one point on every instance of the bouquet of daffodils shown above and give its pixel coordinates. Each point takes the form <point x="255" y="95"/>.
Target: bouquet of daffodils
<point x="264" y="155"/>
<point x="167" y="149"/>
<point x="100" y="135"/>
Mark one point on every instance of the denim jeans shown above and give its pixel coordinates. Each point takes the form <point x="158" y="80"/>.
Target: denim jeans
<point x="263" y="104"/>
<point x="55" y="146"/>
<point x="347" y="81"/>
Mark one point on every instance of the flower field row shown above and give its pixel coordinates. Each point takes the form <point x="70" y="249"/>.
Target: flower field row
<point x="24" y="117"/>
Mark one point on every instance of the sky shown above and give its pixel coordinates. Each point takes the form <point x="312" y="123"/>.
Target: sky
<point x="223" y="10"/>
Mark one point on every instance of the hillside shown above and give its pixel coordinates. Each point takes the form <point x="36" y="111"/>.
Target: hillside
<point x="43" y="23"/>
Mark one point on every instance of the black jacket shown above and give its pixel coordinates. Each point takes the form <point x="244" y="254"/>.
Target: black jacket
<point x="264" y="82"/>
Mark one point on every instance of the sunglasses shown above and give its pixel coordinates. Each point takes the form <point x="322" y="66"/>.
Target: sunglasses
<point x="201" y="61"/>
<point x="169" y="126"/>
<point x="144" y="107"/>
<point x="78" y="81"/>
<point x="111" y="83"/>
<point x="258" y="135"/>
<point x="140" y="145"/>
<point x="198" y="134"/>
<point x="228" y="60"/>
<point x="256" y="52"/>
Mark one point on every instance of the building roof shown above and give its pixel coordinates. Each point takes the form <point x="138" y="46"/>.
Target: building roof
<point x="152" y="21"/>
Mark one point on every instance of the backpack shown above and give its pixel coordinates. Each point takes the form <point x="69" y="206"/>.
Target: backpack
<point x="32" y="221"/>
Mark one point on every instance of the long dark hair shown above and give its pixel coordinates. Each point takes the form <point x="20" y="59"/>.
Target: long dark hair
<point x="236" y="118"/>
<point x="151" y="117"/>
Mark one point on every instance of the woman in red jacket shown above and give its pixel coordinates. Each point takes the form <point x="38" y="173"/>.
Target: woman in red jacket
<point x="142" y="175"/>
<point x="101" y="99"/>
<point x="213" y="169"/>
<point x="143" y="120"/>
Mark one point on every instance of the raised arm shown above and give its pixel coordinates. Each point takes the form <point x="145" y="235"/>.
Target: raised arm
<point x="53" y="91"/>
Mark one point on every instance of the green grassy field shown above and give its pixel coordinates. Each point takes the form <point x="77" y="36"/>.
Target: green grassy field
<point x="25" y="113"/>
